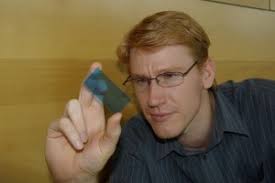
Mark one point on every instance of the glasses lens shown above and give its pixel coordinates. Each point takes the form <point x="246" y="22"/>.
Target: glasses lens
<point x="140" y="83"/>
<point x="170" y="79"/>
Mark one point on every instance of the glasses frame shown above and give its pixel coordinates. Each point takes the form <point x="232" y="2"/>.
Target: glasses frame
<point x="149" y="80"/>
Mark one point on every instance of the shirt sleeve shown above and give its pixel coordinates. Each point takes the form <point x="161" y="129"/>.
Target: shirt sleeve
<point x="268" y="101"/>
<point x="269" y="163"/>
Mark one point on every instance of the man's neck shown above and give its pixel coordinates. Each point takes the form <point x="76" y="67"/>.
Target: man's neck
<point x="198" y="134"/>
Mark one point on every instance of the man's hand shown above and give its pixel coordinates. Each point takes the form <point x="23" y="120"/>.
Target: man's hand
<point x="80" y="143"/>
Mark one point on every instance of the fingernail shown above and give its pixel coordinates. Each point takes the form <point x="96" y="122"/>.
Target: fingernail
<point x="79" y="145"/>
<point x="84" y="137"/>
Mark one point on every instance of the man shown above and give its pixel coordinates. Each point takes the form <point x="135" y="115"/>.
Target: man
<point x="190" y="130"/>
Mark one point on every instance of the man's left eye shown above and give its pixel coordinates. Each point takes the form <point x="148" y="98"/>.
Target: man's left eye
<point x="169" y="75"/>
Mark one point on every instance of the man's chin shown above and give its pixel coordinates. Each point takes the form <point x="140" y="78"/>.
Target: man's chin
<point x="165" y="134"/>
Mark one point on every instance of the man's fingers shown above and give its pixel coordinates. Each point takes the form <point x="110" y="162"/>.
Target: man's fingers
<point x="94" y="66"/>
<point x="74" y="112"/>
<point x="113" y="128"/>
<point x="86" y="96"/>
<point x="70" y="132"/>
<point x="110" y="138"/>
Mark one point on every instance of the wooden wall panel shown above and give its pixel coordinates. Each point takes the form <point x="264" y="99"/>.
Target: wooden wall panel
<point x="262" y="4"/>
<point x="23" y="132"/>
<point x="239" y="70"/>
<point x="272" y="4"/>
<point x="44" y="80"/>
<point x="92" y="29"/>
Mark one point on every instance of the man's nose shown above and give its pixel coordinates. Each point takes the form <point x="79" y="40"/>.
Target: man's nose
<point x="155" y="94"/>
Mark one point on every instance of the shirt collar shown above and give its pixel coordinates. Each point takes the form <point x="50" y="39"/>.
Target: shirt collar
<point x="227" y="120"/>
<point x="166" y="146"/>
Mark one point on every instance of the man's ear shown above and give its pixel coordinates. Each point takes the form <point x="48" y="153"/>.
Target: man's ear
<point x="208" y="73"/>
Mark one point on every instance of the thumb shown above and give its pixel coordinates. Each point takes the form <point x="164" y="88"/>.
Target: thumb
<point x="112" y="133"/>
<point x="113" y="128"/>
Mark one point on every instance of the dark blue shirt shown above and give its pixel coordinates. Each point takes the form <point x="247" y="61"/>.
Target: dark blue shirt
<point x="242" y="149"/>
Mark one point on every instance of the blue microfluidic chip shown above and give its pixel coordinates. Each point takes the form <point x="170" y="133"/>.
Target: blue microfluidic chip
<point x="106" y="91"/>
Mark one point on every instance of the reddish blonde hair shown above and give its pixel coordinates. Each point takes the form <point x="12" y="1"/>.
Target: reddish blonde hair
<point x="163" y="29"/>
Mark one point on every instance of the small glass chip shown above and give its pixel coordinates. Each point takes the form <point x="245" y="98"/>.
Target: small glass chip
<point x="106" y="91"/>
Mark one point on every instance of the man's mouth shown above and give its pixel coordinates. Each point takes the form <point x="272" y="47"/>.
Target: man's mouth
<point x="159" y="117"/>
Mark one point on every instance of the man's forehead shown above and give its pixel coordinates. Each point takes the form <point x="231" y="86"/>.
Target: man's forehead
<point x="145" y="61"/>
<point x="159" y="65"/>
<point x="157" y="69"/>
<point x="140" y="50"/>
<point x="177" y="53"/>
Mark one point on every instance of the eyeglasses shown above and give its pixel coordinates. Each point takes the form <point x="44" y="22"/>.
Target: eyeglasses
<point x="166" y="79"/>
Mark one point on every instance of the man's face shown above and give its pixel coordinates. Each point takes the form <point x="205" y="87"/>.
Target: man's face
<point x="169" y="110"/>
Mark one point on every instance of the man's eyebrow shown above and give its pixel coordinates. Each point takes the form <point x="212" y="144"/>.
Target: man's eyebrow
<point x="138" y="75"/>
<point x="160" y="71"/>
<point x="171" y="69"/>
